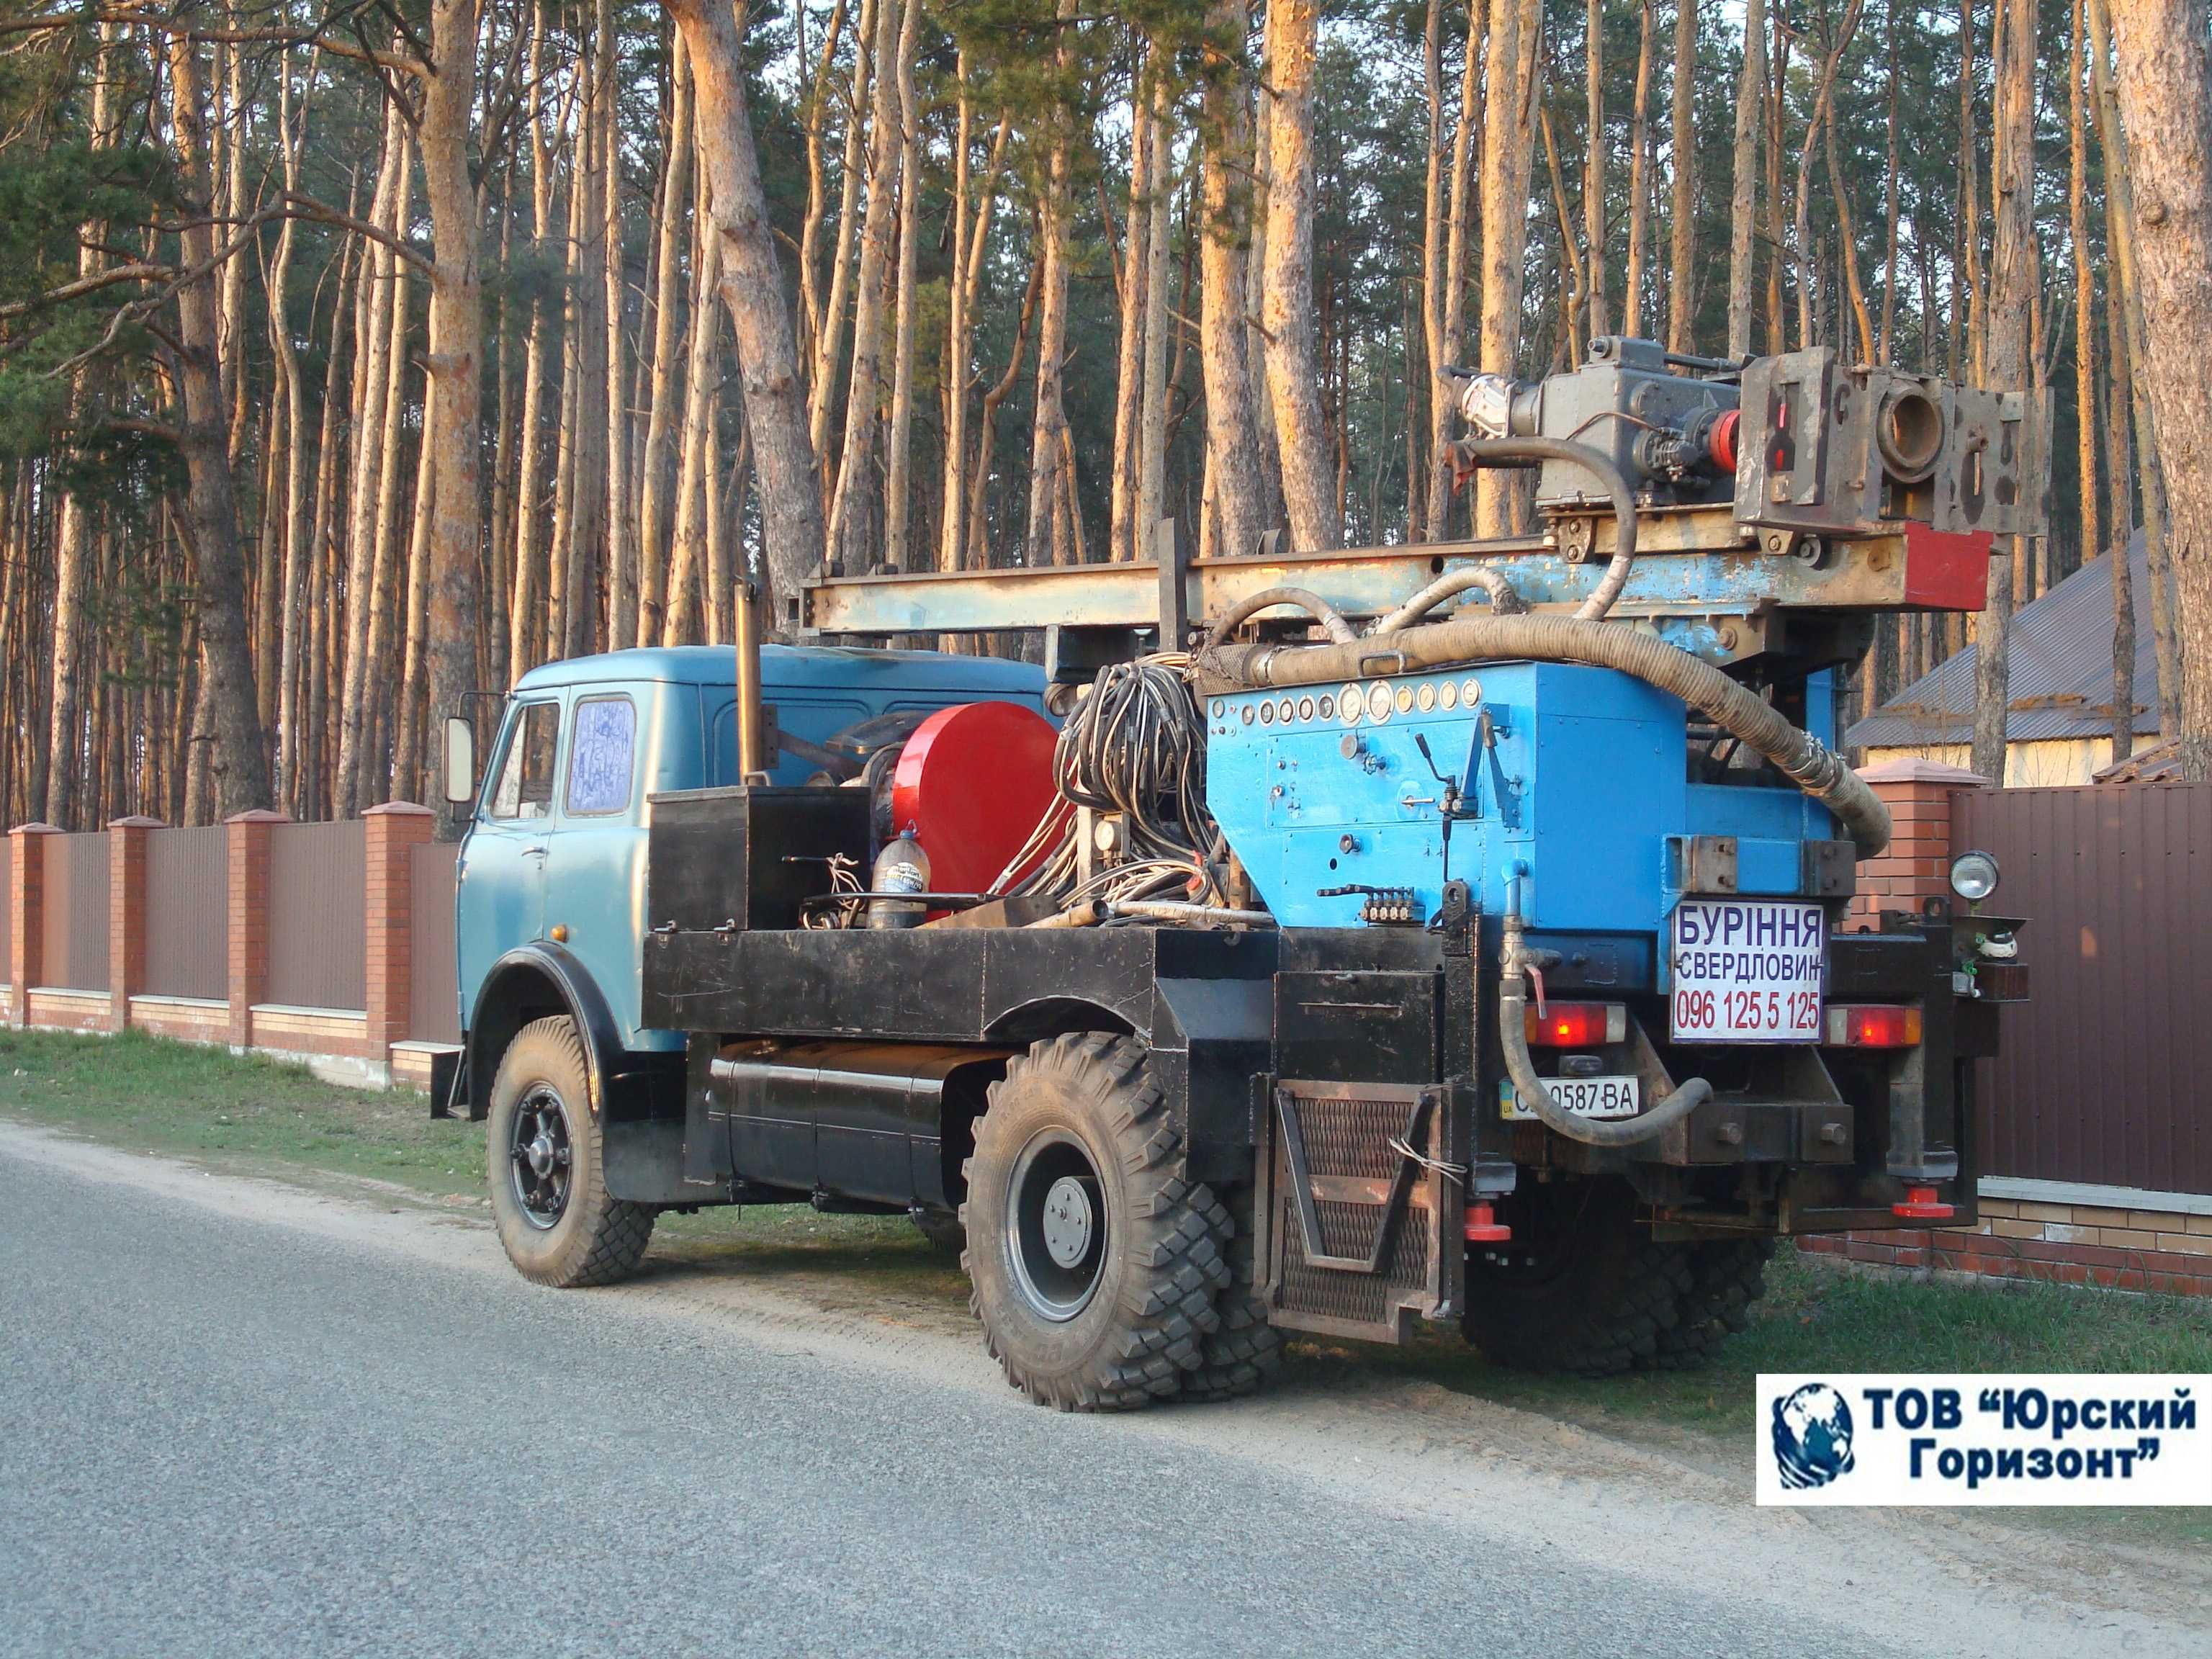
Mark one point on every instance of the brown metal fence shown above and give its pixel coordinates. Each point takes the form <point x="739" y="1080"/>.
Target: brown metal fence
<point x="6" y="911"/>
<point x="432" y="998"/>
<point x="74" y="929"/>
<point x="188" y="913"/>
<point x="317" y="926"/>
<point x="2107" y="1075"/>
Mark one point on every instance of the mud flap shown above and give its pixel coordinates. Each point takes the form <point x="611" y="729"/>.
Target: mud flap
<point x="1352" y="1184"/>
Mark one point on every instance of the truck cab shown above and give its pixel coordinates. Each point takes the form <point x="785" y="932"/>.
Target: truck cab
<point x="550" y="906"/>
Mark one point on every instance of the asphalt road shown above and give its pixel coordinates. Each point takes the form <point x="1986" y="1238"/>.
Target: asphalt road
<point x="228" y="1434"/>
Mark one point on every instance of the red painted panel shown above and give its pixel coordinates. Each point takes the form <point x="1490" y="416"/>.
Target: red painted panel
<point x="1944" y="570"/>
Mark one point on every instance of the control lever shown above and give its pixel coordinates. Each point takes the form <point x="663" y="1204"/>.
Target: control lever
<point x="1451" y="805"/>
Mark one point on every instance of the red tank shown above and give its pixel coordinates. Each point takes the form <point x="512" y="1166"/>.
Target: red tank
<point x="972" y="782"/>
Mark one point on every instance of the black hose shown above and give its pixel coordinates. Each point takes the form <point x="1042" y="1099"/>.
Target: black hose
<point x="1504" y="452"/>
<point x="1804" y="759"/>
<point x="1490" y="579"/>
<point x="1332" y="624"/>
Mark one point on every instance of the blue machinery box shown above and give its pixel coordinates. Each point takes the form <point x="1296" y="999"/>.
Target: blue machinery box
<point x="1574" y="778"/>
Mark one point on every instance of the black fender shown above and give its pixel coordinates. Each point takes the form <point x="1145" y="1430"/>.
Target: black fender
<point x="530" y="983"/>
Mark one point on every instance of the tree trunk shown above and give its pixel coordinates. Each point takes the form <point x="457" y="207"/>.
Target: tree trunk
<point x="1743" y="203"/>
<point x="811" y="112"/>
<point x="237" y="765"/>
<point x="292" y="390"/>
<point x="661" y="403"/>
<point x="1515" y="88"/>
<point x="1054" y="507"/>
<point x="1232" y="437"/>
<point x="1682" y="209"/>
<point x="1294" y="371"/>
<point x="2012" y="187"/>
<point x="898" y="471"/>
<point x="526" y="631"/>
<point x="1152" y="408"/>
<point x="2166" y="97"/>
<point x="1446" y="312"/>
<point x="697" y="483"/>
<point x="829" y="344"/>
<point x="1131" y="275"/>
<point x="72" y="535"/>
<point x="856" y="468"/>
<point x="1639" y="180"/>
<point x="752" y="289"/>
<point x="456" y="360"/>
<point x="1593" y="164"/>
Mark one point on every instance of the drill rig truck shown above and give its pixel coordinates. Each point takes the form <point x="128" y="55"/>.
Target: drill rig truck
<point x="1344" y="941"/>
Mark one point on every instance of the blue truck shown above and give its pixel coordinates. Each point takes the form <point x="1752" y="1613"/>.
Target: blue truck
<point x="1343" y="939"/>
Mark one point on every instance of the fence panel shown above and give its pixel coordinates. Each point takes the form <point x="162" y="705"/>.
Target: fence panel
<point x="75" y="927"/>
<point x="6" y="911"/>
<point x="432" y="993"/>
<point x="188" y="913"/>
<point x="2105" y="1075"/>
<point x="318" y="923"/>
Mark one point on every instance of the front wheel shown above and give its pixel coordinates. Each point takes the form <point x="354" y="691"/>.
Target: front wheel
<point x="1094" y="1265"/>
<point x="549" y="1192"/>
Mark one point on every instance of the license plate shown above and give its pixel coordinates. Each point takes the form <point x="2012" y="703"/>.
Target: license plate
<point x="1747" y="970"/>
<point x="1585" y="1097"/>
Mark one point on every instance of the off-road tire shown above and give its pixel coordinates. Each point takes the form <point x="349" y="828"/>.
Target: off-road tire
<point x="1243" y="1355"/>
<point x="1584" y="1290"/>
<point x="1158" y="1266"/>
<point x="1727" y="1278"/>
<point x="598" y="1239"/>
<point x="942" y="1228"/>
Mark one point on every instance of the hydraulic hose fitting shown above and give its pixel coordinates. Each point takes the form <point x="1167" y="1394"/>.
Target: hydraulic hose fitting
<point x="1513" y="1040"/>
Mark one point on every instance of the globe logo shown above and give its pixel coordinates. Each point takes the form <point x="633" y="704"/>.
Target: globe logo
<point x="1811" y="1436"/>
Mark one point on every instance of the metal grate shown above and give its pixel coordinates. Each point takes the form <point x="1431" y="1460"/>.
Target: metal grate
<point x="1349" y="1229"/>
<point x="1360" y="1184"/>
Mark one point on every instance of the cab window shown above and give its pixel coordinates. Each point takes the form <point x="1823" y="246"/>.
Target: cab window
<point x="602" y="742"/>
<point x="524" y="789"/>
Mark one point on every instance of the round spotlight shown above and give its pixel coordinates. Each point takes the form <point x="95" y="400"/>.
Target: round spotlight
<point x="1974" y="876"/>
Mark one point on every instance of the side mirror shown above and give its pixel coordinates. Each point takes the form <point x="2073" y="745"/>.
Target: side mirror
<point x="460" y="760"/>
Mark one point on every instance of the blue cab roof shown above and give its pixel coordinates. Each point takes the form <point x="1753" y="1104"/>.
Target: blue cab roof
<point x="790" y="667"/>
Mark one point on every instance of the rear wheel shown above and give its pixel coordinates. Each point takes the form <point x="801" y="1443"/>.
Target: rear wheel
<point x="1093" y="1263"/>
<point x="1726" y="1279"/>
<point x="1244" y="1354"/>
<point x="1581" y="1288"/>
<point x="548" y="1192"/>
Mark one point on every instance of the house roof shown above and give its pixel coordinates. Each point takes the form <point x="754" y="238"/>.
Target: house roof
<point x="2062" y="671"/>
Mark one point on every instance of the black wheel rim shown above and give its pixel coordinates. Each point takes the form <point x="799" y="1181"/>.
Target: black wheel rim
<point x="1058" y="1226"/>
<point x="540" y="1156"/>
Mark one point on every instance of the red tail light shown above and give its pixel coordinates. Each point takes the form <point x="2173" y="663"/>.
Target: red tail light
<point x="1875" y="1025"/>
<point x="1578" y="1025"/>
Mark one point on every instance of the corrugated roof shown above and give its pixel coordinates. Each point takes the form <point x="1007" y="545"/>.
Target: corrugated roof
<point x="2062" y="671"/>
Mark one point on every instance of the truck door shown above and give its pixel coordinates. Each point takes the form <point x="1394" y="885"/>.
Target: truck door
<point x="501" y="901"/>
<point x="595" y="874"/>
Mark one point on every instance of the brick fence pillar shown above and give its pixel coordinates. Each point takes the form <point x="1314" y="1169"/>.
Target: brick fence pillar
<point x="1917" y="865"/>
<point x="126" y="915"/>
<point x="27" y="913"/>
<point x="395" y="830"/>
<point x="248" y="835"/>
